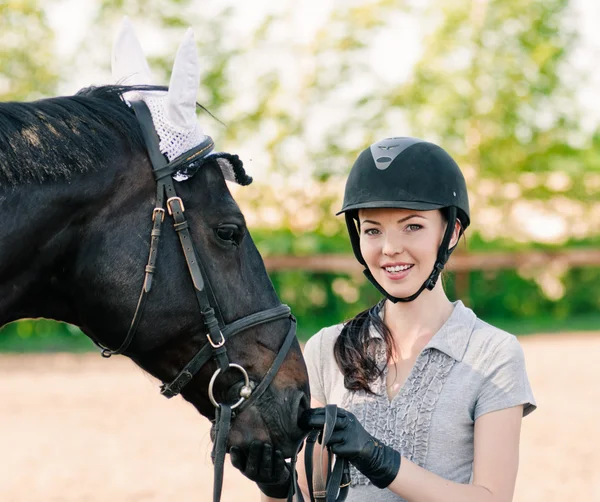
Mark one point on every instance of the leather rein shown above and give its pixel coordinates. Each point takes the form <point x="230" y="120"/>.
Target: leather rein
<point x="218" y="331"/>
<point x="325" y="483"/>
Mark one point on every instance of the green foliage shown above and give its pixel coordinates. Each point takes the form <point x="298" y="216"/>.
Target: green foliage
<point x="26" y="69"/>
<point x="42" y="336"/>
<point x="490" y="87"/>
<point x="322" y="299"/>
<point x="493" y="84"/>
<point x="506" y="294"/>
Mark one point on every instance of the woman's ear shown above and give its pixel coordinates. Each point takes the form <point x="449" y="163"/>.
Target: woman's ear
<point x="455" y="234"/>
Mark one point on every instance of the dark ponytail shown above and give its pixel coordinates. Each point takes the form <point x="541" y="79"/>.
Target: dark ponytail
<point x="355" y="350"/>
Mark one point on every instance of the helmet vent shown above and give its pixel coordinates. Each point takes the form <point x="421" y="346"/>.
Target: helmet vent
<point x="383" y="163"/>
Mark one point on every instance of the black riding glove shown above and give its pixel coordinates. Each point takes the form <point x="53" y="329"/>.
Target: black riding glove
<point x="378" y="462"/>
<point x="265" y="467"/>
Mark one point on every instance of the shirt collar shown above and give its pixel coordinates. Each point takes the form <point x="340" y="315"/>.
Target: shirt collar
<point x="453" y="337"/>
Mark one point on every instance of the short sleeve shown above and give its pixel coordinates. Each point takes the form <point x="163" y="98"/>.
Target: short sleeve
<point x="312" y="357"/>
<point x="505" y="383"/>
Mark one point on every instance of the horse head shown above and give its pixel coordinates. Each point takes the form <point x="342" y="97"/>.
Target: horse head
<point x="148" y="254"/>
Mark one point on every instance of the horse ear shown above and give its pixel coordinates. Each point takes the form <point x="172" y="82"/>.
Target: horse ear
<point x="183" y="87"/>
<point x="129" y="65"/>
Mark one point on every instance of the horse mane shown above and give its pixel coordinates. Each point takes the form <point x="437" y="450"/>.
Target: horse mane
<point x="55" y="138"/>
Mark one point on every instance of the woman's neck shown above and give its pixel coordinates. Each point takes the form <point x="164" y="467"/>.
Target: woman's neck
<point x="414" y="323"/>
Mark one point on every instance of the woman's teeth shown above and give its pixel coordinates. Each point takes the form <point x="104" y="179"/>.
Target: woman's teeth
<point x="398" y="268"/>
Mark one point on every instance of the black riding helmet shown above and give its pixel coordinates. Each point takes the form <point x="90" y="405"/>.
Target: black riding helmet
<point x="406" y="173"/>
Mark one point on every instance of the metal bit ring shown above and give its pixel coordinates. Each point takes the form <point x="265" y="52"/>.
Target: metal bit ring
<point x="245" y="391"/>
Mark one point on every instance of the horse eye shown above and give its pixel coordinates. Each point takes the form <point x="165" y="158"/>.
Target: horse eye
<point x="229" y="233"/>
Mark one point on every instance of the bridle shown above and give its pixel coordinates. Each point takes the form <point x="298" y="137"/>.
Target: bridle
<point x="218" y="332"/>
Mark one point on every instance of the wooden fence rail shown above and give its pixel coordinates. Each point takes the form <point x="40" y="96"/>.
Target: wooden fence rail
<point x="460" y="262"/>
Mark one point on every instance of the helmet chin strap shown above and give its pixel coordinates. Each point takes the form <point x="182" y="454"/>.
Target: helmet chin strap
<point x="442" y="257"/>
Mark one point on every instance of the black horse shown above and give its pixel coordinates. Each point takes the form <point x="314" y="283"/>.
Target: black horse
<point x="77" y="196"/>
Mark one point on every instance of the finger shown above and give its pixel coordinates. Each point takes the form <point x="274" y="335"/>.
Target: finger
<point x="339" y="449"/>
<point x="341" y="446"/>
<point x="253" y="461"/>
<point x="338" y="437"/>
<point x="238" y="459"/>
<point x="278" y="464"/>
<point x="266" y="462"/>
<point x="340" y="412"/>
<point x="317" y="420"/>
<point x="308" y="416"/>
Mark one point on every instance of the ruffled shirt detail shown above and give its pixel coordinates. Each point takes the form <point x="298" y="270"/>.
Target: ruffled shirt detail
<point x="405" y="422"/>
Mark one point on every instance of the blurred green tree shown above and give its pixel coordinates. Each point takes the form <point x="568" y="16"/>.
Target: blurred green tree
<point x="493" y="83"/>
<point x="26" y="54"/>
<point x="496" y="85"/>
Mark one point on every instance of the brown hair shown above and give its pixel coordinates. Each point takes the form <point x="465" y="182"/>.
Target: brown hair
<point x="354" y="349"/>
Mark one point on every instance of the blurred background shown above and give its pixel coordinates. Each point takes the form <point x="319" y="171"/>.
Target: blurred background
<point x="511" y="88"/>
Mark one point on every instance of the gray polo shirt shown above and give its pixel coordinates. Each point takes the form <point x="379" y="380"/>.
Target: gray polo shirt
<point x="467" y="369"/>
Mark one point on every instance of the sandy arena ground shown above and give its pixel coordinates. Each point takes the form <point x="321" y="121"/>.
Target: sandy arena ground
<point x="79" y="428"/>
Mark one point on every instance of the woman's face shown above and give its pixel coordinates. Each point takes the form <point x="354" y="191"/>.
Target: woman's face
<point x="400" y="246"/>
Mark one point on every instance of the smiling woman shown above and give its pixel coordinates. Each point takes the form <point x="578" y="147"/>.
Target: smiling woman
<point x="432" y="396"/>
<point x="387" y="234"/>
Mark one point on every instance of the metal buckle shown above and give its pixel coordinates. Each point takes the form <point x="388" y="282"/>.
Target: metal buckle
<point x="216" y="345"/>
<point x="178" y="199"/>
<point x="158" y="210"/>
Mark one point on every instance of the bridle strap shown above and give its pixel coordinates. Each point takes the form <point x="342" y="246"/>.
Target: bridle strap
<point x="158" y="216"/>
<point x="275" y="365"/>
<point x="205" y="353"/>
<point x="274" y="314"/>
<point x="223" y="416"/>
<point x="218" y="332"/>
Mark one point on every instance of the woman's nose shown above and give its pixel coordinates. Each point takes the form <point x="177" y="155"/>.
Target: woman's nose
<point x="392" y="247"/>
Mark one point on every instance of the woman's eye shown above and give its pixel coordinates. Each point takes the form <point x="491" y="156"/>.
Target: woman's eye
<point x="371" y="231"/>
<point x="413" y="227"/>
<point x="229" y="233"/>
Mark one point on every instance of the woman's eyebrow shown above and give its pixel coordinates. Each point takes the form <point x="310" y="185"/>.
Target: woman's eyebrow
<point x="401" y="220"/>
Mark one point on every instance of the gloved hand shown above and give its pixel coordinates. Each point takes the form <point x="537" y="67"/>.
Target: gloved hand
<point x="378" y="462"/>
<point x="265" y="467"/>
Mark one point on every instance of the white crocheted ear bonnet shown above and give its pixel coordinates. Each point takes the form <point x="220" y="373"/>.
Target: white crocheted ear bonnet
<point x="173" y="112"/>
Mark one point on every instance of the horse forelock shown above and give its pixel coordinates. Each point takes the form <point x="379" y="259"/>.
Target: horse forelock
<point x="56" y="138"/>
